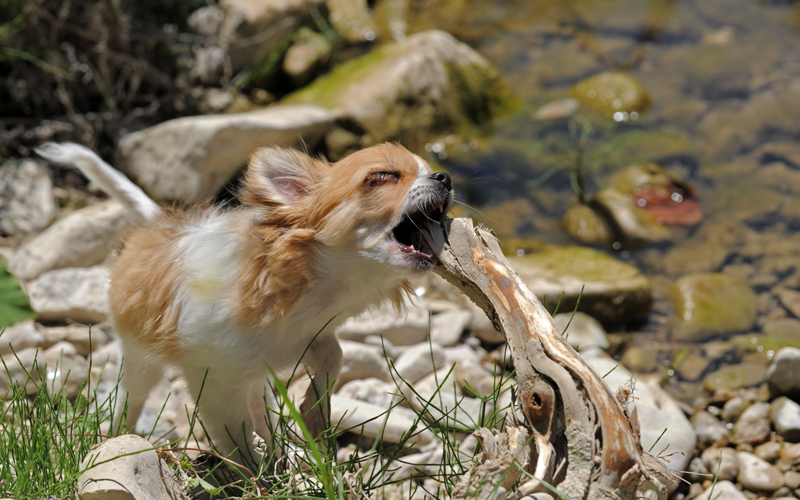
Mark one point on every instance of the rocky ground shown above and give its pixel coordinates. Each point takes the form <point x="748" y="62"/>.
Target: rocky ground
<point x="707" y="339"/>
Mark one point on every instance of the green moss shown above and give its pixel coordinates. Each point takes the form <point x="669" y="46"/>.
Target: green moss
<point x="327" y="90"/>
<point x="475" y="96"/>
<point x="482" y="95"/>
<point x="586" y="225"/>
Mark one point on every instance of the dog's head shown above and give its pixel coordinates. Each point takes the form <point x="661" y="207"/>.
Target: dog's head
<point x="371" y="203"/>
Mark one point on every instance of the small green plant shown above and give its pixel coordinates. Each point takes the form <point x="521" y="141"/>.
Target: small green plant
<point x="14" y="305"/>
<point x="570" y="155"/>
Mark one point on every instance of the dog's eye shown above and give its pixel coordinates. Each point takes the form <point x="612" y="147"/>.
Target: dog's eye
<point x="378" y="178"/>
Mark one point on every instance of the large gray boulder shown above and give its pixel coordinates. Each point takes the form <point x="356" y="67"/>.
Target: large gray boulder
<point x="190" y="159"/>
<point x="407" y="91"/>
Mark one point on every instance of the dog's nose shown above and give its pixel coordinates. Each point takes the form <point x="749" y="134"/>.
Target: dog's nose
<point x="442" y="177"/>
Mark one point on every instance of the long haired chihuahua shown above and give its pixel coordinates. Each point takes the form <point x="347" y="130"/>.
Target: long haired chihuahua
<point x="227" y="295"/>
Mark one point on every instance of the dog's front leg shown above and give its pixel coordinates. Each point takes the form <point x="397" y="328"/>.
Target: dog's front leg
<point x="324" y="360"/>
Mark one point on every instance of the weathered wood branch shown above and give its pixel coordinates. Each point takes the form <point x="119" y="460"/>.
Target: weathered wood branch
<point x="585" y="444"/>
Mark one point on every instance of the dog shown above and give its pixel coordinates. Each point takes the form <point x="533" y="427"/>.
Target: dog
<point x="228" y="295"/>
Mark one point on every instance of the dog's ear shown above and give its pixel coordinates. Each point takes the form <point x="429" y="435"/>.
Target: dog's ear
<point x="277" y="176"/>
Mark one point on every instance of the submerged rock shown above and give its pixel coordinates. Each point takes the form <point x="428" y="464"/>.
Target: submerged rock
<point x="641" y="199"/>
<point x="411" y="90"/>
<point x="611" y="92"/>
<point x="631" y="226"/>
<point x="613" y="292"/>
<point x="782" y="328"/>
<point x="709" y="304"/>
<point x="789" y="298"/>
<point x="560" y="108"/>
<point x="730" y="129"/>
<point x="732" y="377"/>
<point x="669" y="200"/>
<point x="706" y="250"/>
<point x="586" y="225"/>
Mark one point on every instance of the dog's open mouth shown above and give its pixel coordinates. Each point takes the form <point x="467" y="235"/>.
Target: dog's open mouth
<point x="408" y="235"/>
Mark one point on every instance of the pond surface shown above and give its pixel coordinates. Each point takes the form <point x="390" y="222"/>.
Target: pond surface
<point x="722" y="81"/>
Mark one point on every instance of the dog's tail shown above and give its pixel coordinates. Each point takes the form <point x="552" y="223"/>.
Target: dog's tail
<point x="110" y="180"/>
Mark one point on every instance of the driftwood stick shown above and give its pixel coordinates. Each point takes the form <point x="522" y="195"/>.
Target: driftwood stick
<point x="562" y="398"/>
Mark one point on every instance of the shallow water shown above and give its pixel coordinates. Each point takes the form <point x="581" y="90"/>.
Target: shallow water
<point x="723" y="78"/>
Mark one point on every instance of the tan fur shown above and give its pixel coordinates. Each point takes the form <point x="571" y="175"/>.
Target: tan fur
<point x="143" y="284"/>
<point x="284" y="241"/>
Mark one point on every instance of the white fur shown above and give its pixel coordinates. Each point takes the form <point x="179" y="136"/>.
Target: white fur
<point x="104" y="175"/>
<point x="424" y="168"/>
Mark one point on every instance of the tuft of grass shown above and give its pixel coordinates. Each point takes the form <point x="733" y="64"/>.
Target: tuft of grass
<point x="46" y="434"/>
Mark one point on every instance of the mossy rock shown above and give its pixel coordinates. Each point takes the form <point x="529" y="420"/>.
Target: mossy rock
<point x="612" y="91"/>
<point x="613" y="292"/>
<point x="709" y="304"/>
<point x="408" y="91"/>
<point x="630" y="225"/>
<point x="585" y="225"/>
<point x="628" y="179"/>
